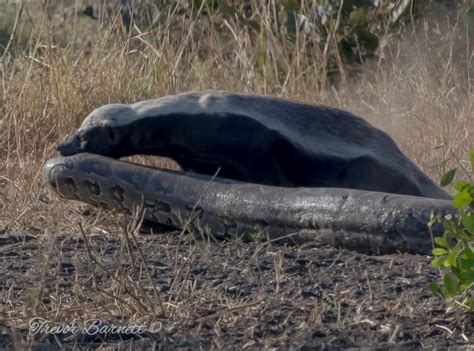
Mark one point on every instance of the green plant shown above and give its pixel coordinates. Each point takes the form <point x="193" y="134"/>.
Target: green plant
<point x="454" y="253"/>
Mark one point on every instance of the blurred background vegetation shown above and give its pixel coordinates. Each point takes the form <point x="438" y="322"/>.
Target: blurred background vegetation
<point x="344" y="33"/>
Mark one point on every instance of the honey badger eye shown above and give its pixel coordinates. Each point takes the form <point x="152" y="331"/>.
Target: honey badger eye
<point x="83" y="140"/>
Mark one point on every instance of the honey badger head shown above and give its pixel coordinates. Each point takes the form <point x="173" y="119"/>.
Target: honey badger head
<point x="102" y="132"/>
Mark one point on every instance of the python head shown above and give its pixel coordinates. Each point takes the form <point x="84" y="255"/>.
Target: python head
<point x="102" y="132"/>
<point x="59" y="174"/>
<point x="84" y="177"/>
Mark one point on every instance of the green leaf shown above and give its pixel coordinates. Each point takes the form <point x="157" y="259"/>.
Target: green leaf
<point x="466" y="275"/>
<point x="435" y="289"/>
<point x="467" y="219"/>
<point x="451" y="259"/>
<point x="449" y="228"/>
<point x="439" y="251"/>
<point x="452" y="287"/>
<point x="469" y="254"/>
<point x="438" y="261"/>
<point x="448" y="177"/>
<point x="462" y="199"/>
<point x="441" y="241"/>
<point x="448" y="261"/>
<point x="462" y="185"/>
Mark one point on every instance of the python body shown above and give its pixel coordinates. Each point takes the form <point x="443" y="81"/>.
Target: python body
<point x="287" y="169"/>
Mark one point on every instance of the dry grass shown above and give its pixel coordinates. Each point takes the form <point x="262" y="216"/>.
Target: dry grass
<point x="55" y="72"/>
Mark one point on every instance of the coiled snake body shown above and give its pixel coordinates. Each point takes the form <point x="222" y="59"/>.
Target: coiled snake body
<point x="302" y="172"/>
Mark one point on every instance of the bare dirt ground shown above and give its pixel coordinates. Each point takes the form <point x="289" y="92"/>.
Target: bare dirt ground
<point x="191" y="293"/>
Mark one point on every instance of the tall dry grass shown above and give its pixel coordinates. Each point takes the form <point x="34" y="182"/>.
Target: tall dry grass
<point x="58" y="66"/>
